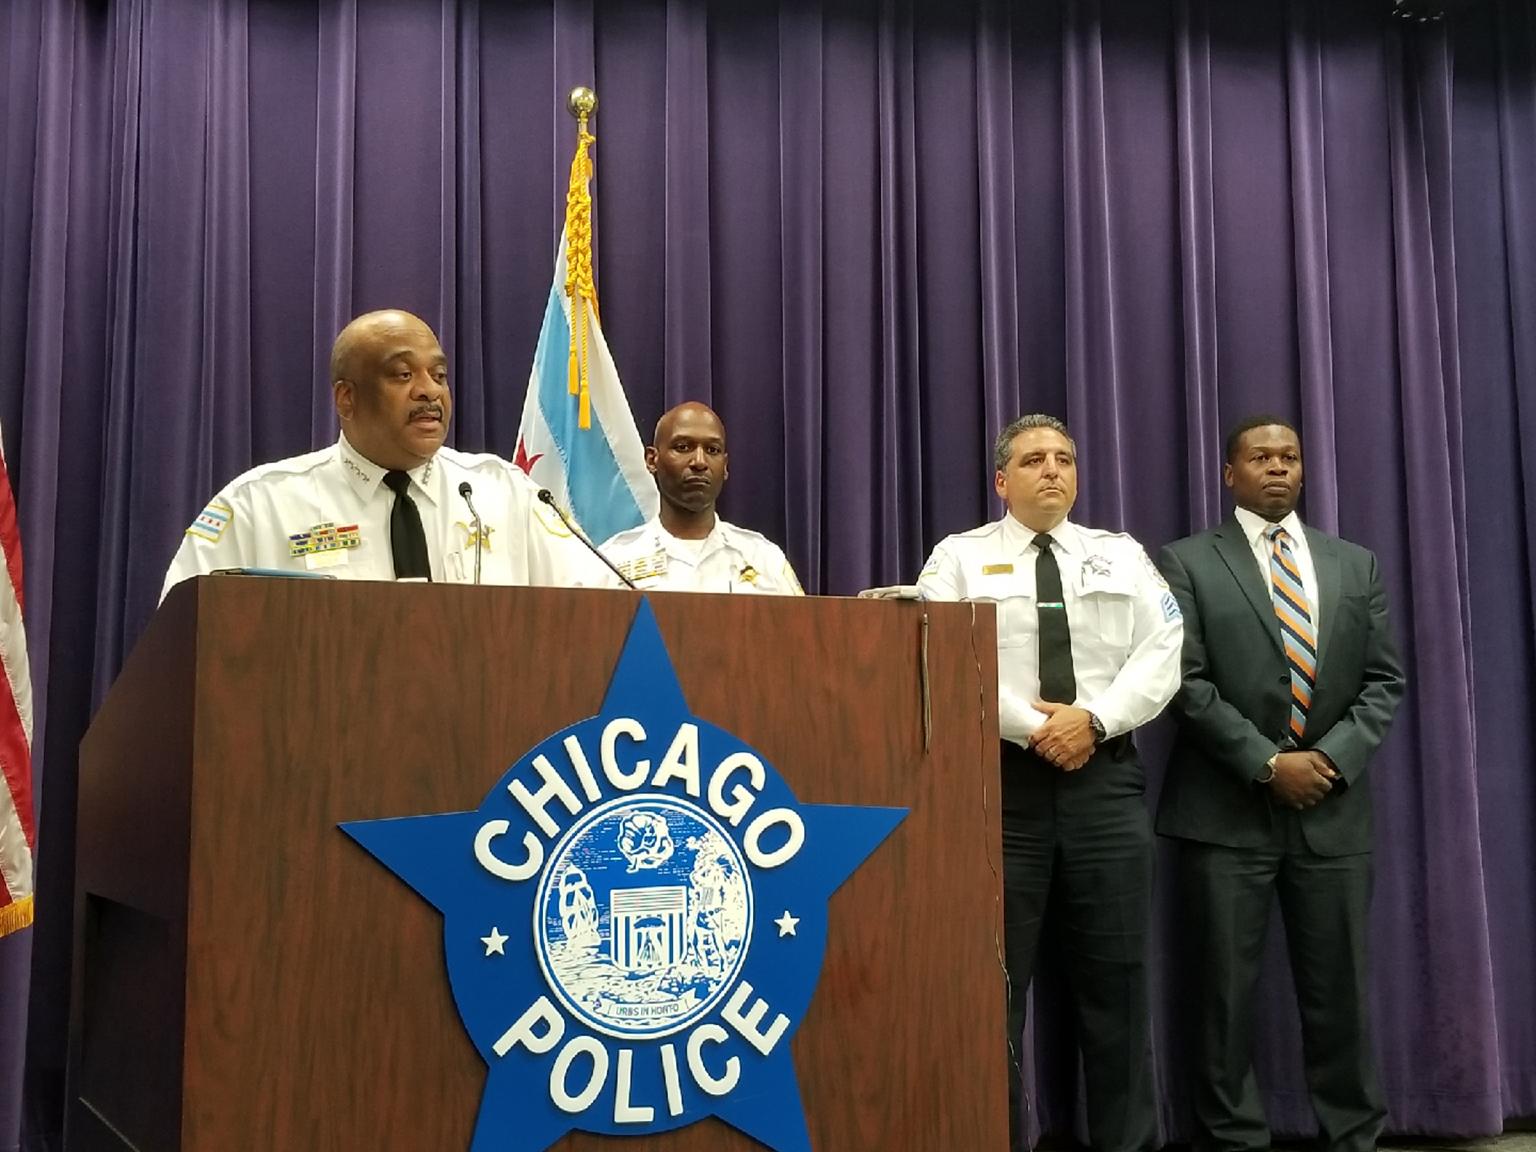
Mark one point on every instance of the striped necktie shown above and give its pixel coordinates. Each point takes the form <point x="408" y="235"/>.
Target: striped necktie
<point x="1296" y="631"/>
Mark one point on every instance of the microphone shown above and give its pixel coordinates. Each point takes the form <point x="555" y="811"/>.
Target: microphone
<point x="468" y="493"/>
<point x="547" y="497"/>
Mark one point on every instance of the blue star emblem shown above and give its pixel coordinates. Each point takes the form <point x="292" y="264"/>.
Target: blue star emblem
<point x="634" y="919"/>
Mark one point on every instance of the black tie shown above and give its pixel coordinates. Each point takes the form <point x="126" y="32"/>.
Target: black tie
<point x="407" y="542"/>
<point x="1058" y="683"/>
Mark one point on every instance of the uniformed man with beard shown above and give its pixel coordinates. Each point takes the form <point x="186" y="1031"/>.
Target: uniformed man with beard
<point x="687" y="547"/>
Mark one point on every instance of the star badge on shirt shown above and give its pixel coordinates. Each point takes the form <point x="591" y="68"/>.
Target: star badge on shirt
<point x="472" y="537"/>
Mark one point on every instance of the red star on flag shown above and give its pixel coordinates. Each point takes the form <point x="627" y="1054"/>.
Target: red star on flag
<point x="523" y="460"/>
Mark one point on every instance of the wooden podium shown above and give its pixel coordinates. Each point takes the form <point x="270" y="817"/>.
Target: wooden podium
<point x="247" y="978"/>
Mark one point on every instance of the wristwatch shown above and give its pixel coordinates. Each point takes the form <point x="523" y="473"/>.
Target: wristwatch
<point x="1269" y="764"/>
<point x="1099" y="734"/>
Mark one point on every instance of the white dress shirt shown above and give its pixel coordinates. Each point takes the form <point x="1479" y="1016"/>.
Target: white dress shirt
<point x="1254" y="528"/>
<point x="1126" y="629"/>
<point x="328" y="512"/>
<point x="729" y="559"/>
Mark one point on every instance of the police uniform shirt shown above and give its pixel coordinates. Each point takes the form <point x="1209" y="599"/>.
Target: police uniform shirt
<point x="328" y="511"/>
<point x="731" y="559"/>
<point x="1125" y="625"/>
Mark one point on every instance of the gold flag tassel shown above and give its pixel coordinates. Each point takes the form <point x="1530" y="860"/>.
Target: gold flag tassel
<point x="579" y="287"/>
<point x="16" y="916"/>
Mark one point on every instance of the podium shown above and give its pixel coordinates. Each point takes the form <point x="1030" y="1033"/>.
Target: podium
<point x="246" y="977"/>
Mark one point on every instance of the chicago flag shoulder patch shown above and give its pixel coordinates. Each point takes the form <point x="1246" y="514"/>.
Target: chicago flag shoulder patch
<point x="211" y="522"/>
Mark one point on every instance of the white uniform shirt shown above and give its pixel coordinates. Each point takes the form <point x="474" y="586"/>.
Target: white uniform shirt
<point x="1127" y="632"/>
<point x="328" y="511"/>
<point x="731" y="559"/>
<point x="1254" y="526"/>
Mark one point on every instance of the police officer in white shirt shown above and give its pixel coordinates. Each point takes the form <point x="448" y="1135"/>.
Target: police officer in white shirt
<point x="384" y="502"/>
<point x="1088" y="643"/>
<point x="687" y="547"/>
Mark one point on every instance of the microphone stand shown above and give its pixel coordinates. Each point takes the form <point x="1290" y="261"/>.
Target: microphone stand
<point x="468" y="493"/>
<point x="548" y="498"/>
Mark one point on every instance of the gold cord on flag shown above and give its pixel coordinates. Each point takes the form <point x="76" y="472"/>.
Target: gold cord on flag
<point x="15" y="916"/>
<point x="580" y="289"/>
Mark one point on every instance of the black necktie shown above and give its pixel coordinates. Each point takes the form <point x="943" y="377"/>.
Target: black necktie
<point x="407" y="542"/>
<point x="1058" y="683"/>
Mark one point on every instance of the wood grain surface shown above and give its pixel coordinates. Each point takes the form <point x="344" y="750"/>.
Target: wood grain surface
<point x="317" y="1010"/>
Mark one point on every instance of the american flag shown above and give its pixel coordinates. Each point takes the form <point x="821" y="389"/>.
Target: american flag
<point x="18" y="834"/>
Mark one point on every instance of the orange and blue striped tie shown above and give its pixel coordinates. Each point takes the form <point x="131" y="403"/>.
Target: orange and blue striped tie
<point x="1296" y="631"/>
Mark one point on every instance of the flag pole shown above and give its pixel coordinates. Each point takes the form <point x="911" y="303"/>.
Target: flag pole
<point x="581" y="103"/>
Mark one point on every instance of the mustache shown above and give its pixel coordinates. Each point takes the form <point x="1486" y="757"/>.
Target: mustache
<point x="431" y="408"/>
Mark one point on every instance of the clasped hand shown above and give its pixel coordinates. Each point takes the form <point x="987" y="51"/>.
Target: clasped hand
<point x="1302" y="778"/>
<point x="1066" y="737"/>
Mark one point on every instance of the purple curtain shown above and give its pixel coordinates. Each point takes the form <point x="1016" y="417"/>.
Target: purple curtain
<point x="1493" y="127"/>
<point x="869" y="232"/>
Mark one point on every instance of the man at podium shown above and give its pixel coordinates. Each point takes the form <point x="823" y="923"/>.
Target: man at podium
<point x="1088" y="649"/>
<point x="687" y="547"/>
<point x="388" y="501"/>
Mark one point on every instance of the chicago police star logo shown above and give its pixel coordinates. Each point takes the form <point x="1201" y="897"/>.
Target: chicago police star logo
<point x="634" y="919"/>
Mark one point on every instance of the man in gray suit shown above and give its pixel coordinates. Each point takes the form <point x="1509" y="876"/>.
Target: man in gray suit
<point x="1290" y="678"/>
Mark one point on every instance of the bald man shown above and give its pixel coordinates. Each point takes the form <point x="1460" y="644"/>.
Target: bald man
<point x="384" y="502"/>
<point x="687" y="547"/>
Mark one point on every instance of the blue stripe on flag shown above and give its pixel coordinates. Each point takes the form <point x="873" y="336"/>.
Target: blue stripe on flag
<point x="600" y="499"/>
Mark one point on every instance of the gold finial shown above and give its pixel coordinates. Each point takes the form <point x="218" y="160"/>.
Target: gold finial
<point x="582" y="103"/>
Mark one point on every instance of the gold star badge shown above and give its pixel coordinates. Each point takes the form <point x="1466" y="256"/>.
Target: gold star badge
<point x="471" y="537"/>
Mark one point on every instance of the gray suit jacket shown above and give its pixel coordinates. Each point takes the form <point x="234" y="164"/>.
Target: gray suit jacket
<point x="1233" y="705"/>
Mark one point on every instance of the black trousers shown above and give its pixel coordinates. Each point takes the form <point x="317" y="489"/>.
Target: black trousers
<point x="1087" y="835"/>
<point x="1227" y="895"/>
